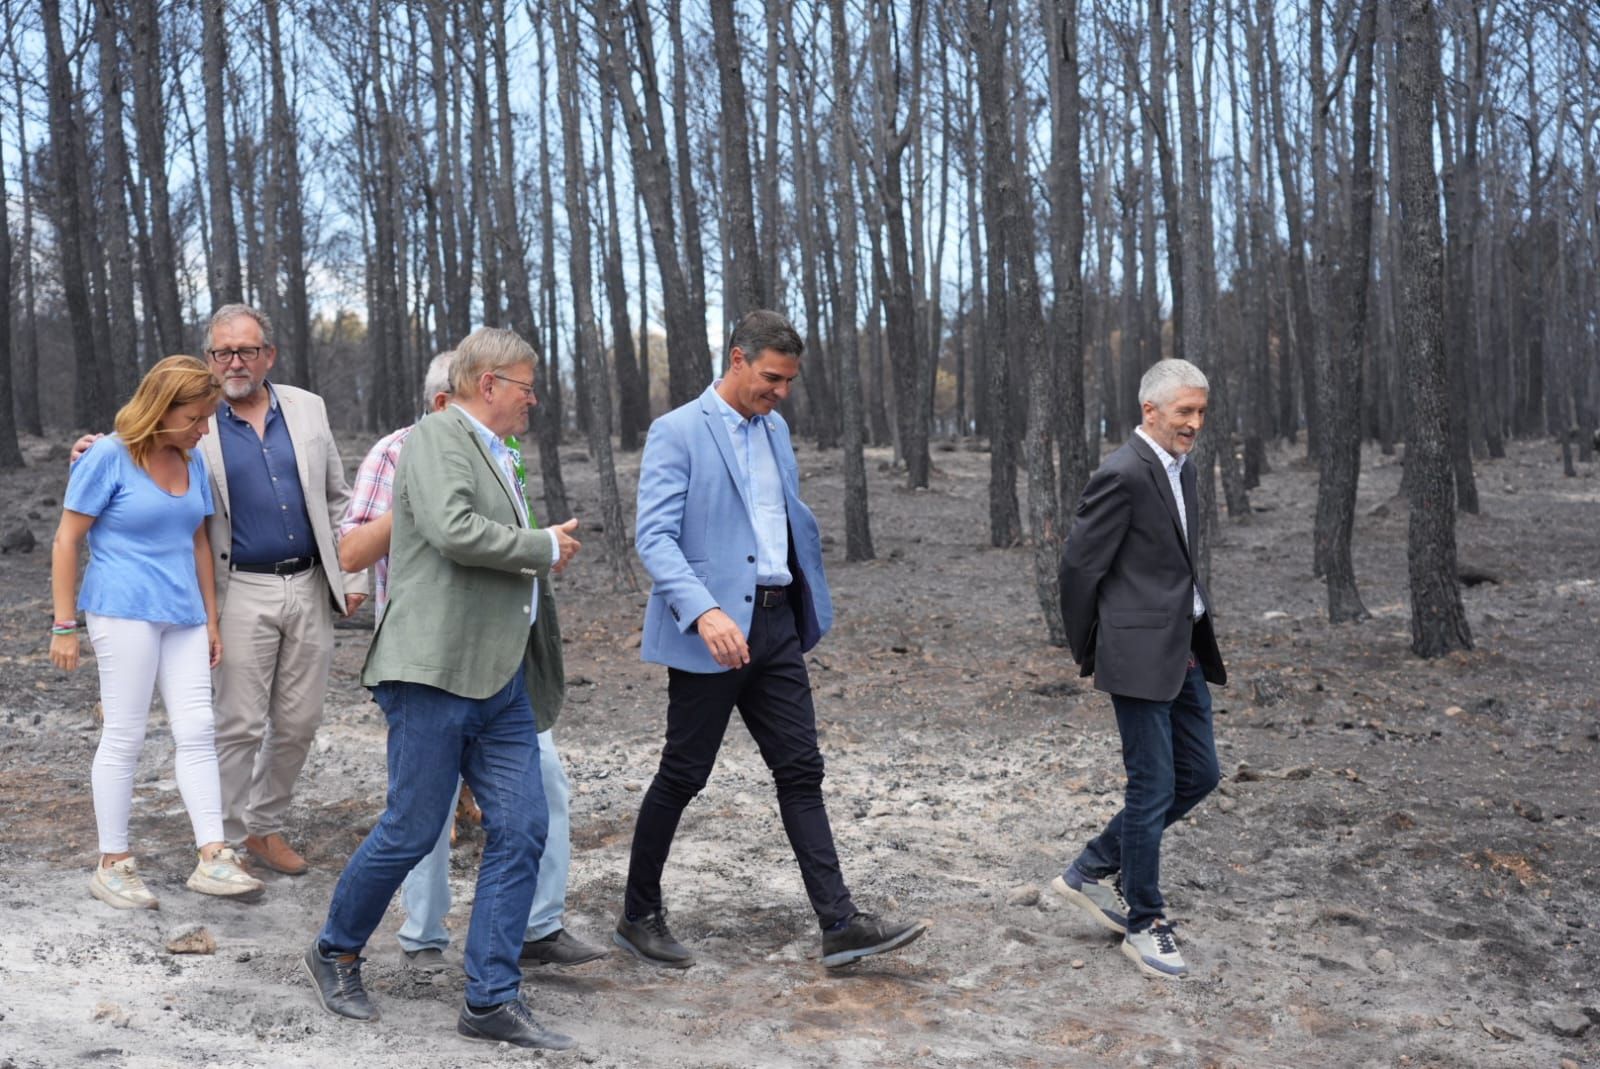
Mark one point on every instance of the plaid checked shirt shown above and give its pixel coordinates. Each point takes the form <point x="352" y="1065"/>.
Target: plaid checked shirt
<point x="370" y="497"/>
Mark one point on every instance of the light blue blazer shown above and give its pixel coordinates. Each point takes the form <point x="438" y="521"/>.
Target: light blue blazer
<point x="695" y="537"/>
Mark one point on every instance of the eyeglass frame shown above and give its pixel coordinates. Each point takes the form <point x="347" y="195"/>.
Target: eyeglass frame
<point x="528" y="386"/>
<point x="258" y="351"/>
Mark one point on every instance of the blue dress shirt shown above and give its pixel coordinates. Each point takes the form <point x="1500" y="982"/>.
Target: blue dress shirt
<point x="763" y="486"/>
<point x="268" y="505"/>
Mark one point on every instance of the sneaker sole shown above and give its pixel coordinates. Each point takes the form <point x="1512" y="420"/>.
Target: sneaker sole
<point x="116" y="901"/>
<point x="1086" y="904"/>
<point x="226" y="890"/>
<point x="316" y="989"/>
<point x="1150" y="968"/>
<point x="465" y="1029"/>
<point x="847" y="957"/>
<point x="665" y="963"/>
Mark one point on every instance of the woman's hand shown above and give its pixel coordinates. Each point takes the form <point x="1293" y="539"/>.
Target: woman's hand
<point x="64" y="651"/>
<point x="214" y="640"/>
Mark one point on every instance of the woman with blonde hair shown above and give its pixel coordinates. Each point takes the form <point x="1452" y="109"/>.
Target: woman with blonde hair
<point x="141" y="497"/>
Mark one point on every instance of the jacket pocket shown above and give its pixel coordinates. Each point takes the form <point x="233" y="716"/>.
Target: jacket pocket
<point x="1136" y="619"/>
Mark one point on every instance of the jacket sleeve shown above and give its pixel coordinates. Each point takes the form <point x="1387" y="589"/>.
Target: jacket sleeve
<point x="663" y="495"/>
<point x="1103" y="514"/>
<point x="338" y="495"/>
<point x="438" y="462"/>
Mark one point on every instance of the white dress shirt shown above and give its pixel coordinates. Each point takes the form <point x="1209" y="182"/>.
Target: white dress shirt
<point x="763" y="486"/>
<point x="1173" y="465"/>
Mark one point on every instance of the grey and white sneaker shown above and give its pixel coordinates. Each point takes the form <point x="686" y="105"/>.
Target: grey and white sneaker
<point x="1155" y="951"/>
<point x="1101" y="899"/>
<point x="119" y="885"/>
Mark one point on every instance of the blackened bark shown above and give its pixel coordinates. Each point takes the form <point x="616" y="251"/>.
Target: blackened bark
<point x="746" y="290"/>
<point x="227" y="286"/>
<point x="1438" y="618"/>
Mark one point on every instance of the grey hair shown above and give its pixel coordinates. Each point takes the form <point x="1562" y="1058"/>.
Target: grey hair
<point x="486" y="350"/>
<point x="1166" y="377"/>
<point x="760" y="330"/>
<point x="437" y="379"/>
<point x="234" y="311"/>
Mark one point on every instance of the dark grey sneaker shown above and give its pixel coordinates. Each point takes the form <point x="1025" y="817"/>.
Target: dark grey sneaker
<point x="428" y="960"/>
<point x="866" y="935"/>
<point x="337" y="982"/>
<point x="511" y="1022"/>
<point x="1101" y="900"/>
<point x="649" y="939"/>
<point x="560" y="947"/>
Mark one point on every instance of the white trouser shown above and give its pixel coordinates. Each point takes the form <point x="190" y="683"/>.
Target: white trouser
<point x="133" y="655"/>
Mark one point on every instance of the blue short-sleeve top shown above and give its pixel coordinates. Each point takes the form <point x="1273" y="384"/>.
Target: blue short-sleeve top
<point x="141" y="545"/>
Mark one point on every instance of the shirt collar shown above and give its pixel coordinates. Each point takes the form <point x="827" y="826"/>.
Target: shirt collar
<point x="1168" y="461"/>
<point x="490" y="439"/>
<point x="730" y="415"/>
<point x="272" y="401"/>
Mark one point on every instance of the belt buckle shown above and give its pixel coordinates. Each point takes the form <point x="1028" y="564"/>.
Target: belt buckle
<point x="770" y="597"/>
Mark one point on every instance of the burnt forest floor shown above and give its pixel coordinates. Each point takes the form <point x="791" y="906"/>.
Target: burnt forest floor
<point x="1399" y="869"/>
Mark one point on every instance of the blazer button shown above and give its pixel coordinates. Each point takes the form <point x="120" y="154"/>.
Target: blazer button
<point x="525" y="609"/>
<point x="750" y="560"/>
<point x="748" y="597"/>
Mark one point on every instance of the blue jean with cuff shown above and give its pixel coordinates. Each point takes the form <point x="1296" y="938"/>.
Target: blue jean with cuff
<point x="1170" y="754"/>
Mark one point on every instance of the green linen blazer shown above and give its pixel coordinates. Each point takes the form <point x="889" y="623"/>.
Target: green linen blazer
<point x="461" y="565"/>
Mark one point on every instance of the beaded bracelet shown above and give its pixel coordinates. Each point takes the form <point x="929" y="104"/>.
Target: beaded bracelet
<point x="64" y="627"/>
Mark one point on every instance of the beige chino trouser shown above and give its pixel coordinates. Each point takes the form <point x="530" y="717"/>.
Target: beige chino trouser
<point x="277" y="647"/>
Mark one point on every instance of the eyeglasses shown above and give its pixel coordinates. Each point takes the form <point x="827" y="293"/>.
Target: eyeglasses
<point x="527" y="387"/>
<point x="249" y="354"/>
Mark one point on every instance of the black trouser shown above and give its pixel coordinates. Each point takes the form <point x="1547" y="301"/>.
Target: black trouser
<point x="773" y="694"/>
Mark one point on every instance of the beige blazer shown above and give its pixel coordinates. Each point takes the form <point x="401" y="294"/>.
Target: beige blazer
<point x="321" y="481"/>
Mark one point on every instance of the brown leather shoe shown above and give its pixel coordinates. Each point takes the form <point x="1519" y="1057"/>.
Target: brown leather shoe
<point x="275" y="853"/>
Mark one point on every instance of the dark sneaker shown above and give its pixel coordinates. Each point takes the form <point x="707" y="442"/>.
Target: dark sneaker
<point x="513" y="1023"/>
<point x="1155" y="951"/>
<point x="649" y="939"/>
<point x="337" y="982"/>
<point x="560" y="947"/>
<point x="1100" y="899"/>
<point x="866" y="935"/>
<point x="428" y="960"/>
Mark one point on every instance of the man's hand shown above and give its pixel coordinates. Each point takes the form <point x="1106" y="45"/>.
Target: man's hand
<point x="81" y="446"/>
<point x="569" y="546"/>
<point x="723" y="638"/>
<point x="352" y="603"/>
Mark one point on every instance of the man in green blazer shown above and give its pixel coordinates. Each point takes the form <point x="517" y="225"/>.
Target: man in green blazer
<point x="464" y="660"/>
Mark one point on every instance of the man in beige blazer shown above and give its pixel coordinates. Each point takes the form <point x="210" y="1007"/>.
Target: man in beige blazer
<point x="280" y="491"/>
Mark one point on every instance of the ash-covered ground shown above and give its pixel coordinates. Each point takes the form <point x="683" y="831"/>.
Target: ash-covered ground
<point x="1400" y="868"/>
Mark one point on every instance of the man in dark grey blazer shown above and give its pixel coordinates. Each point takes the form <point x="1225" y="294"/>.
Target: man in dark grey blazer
<point x="1139" y="621"/>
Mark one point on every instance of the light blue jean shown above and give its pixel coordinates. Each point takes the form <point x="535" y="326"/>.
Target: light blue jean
<point x="426" y="892"/>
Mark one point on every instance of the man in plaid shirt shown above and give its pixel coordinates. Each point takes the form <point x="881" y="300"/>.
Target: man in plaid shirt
<point x="364" y="542"/>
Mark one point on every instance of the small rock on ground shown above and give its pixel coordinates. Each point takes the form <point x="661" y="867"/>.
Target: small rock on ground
<point x="191" y="939"/>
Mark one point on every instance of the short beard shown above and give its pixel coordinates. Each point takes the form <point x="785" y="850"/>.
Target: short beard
<point x="238" y="389"/>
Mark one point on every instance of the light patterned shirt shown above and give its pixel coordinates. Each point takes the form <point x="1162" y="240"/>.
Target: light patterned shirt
<point x="371" y="496"/>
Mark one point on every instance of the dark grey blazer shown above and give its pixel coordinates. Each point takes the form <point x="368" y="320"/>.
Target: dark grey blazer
<point x="1126" y="580"/>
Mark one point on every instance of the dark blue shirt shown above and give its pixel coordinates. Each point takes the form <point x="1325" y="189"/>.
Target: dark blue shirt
<point x="268" y="507"/>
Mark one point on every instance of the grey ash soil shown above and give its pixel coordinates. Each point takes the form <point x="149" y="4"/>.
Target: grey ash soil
<point x="1400" y="868"/>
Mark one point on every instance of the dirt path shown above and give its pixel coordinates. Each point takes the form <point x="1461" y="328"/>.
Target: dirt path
<point x="1400" y="868"/>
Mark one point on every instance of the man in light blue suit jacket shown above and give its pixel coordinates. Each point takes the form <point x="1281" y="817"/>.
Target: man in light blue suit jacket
<point x="739" y="596"/>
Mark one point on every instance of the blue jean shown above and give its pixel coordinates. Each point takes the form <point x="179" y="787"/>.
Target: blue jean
<point x="426" y="893"/>
<point x="1170" y="755"/>
<point x="434" y="738"/>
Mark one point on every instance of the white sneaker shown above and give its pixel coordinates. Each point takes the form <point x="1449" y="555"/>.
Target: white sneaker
<point x="1155" y="951"/>
<point x="224" y="876"/>
<point x="119" y="885"/>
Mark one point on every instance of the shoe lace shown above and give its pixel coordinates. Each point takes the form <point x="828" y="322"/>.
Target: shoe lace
<point x="1166" y="939"/>
<point x="347" y="974"/>
<point x="657" y="924"/>
<point x="518" y="1009"/>
<point x="1116" y="892"/>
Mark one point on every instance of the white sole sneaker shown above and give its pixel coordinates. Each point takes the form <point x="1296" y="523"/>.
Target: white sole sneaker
<point x="223" y="877"/>
<point x="1088" y="905"/>
<point x="120" y="887"/>
<point x="1155" y="952"/>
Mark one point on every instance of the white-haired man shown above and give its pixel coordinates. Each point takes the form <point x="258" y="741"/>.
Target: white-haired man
<point x="1139" y="620"/>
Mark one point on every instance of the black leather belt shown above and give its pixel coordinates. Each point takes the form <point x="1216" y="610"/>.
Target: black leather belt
<point x="768" y="597"/>
<point x="292" y="566"/>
